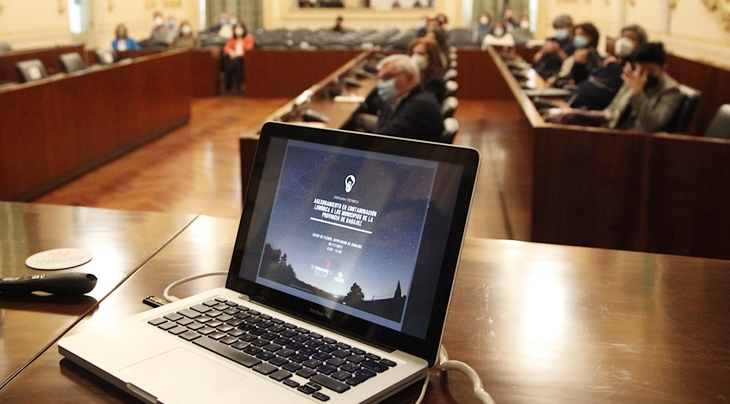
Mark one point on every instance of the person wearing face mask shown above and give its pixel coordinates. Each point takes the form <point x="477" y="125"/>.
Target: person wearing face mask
<point x="186" y="39"/>
<point x="122" y="41"/>
<point x="172" y="30"/>
<point x="235" y="51"/>
<point x="226" y="30"/>
<point x="427" y="55"/>
<point x="598" y="90"/>
<point x="222" y="20"/>
<point x="408" y="110"/>
<point x="498" y="37"/>
<point x="160" y="35"/>
<point x="548" y="60"/>
<point x="647" y="101"/>
<point x="584" y="61"/>
<point x="522" y="33"/>
<point x="482" y="28"/>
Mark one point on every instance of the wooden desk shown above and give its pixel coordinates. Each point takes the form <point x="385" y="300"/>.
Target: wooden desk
<point x="58" y="128"/>
<point x="338" y="113"/>
<point x="539" y="323"/>
<point x="120" y="241"/>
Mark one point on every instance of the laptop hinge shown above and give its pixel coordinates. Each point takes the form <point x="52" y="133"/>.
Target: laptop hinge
<point x="244" y="298"/>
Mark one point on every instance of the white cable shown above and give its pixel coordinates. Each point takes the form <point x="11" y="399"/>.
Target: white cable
<point x="166" y="293"/>
<point x="423" y="389"/>
<point x="446" y="364"/>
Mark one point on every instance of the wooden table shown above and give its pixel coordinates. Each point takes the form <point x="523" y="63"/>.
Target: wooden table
<point x="540" y="323"/>
<point x="120" y="241"/>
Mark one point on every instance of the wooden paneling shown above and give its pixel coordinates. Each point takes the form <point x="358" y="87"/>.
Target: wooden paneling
<point x="286" y="73"/>
<point x="49" y="57"/>
<point x="58" y="128"/>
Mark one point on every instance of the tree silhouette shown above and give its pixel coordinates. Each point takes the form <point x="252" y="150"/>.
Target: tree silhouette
<point x="354" y="296"/>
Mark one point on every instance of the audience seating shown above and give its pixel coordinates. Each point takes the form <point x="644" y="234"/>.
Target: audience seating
<point x="106" y="56"/>
<point x="450" y="75"/>
<point x="683" y="117"/>
<point x="451" y="126"/>
<point x="71" y="62"/>
<point x="720" y="124"/>
<point x="448" y="106"/>
<point x="450" y="88"/>
<point x="30" y="70"/>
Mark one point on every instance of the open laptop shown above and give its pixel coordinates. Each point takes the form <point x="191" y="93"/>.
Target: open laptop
<point x="338" y="286"/>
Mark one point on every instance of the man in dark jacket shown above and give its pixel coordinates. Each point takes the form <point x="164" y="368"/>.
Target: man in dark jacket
<point x="408" y="110"/>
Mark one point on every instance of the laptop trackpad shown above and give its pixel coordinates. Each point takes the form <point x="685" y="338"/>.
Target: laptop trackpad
<point x="181" y="375"/>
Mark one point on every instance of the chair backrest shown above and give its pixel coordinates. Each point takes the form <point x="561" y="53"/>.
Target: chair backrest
<point x="30" y="70"/>
<point x="451" y="126"/>
<point x="71" y="62"/>
<point x="450" y="75"/>
<point x="106" y="56"/>
<point x="448" y="107"/>
<point x="450" y="88"/>
<point x="683" y="116"/>
<point x="719" y="126"/>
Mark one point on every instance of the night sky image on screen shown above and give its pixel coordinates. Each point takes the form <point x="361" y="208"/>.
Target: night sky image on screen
<point x="347" y="228"/>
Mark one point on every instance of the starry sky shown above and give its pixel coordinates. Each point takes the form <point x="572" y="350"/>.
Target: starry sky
<point x="399" y="191"/>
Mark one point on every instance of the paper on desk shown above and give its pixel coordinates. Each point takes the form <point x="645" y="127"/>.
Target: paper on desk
<point x="349" y="98"/>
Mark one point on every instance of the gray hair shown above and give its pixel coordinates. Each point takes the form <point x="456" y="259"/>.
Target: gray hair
<point x="640" y="32"/>
<point x="404" y="63"/>
<point x="562" y="21"/>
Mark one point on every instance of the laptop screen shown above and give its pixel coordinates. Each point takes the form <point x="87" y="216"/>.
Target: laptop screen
<point x="353" y="231"/>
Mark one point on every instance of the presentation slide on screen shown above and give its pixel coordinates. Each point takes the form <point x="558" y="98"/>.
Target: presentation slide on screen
<point x="346" y="228"/>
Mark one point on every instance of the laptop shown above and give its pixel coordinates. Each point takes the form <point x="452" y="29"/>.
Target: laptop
<point x="338" y="286"/>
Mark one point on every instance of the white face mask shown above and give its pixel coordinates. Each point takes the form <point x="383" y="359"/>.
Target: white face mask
<point x="159" y="21"/>
<point x="525" y="24"/>
<point x="484" y="20"/>
<point x="238" y="31"/>
<point x="623" y="47"/>
<point x="186" y="30"/>
<point x="386" y="90"/>
<point x="420" y="60"/>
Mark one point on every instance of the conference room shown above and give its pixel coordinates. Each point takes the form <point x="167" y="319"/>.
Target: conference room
<point x="594" y="264"/>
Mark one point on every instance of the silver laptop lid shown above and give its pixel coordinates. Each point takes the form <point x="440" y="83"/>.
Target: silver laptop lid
<point x="357" y="233"/>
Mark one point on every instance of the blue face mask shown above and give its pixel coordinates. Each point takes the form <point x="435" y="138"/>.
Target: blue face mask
<point x="498" y="32"/>
<point x="561" y="34"/>
<point x="386" y="90"/>
<point x="580" y="41"/>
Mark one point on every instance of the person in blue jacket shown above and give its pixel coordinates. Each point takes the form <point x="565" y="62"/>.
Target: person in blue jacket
<point x="122" y="41"/>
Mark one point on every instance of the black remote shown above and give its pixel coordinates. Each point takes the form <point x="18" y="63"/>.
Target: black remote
<point x="75" y="283"/>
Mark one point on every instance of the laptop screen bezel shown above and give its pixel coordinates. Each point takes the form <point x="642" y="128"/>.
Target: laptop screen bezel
<point x="466" y="158"/>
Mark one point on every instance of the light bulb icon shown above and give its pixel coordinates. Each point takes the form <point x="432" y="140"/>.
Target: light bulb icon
<point x="349" y="183"/>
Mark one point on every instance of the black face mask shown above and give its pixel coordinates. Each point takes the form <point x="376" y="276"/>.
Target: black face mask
<point x="651" y="81"/>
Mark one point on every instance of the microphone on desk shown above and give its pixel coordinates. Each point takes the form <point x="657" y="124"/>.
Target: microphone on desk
<point x="70" y="284"/>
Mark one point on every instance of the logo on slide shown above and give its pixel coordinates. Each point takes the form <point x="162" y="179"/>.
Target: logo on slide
<point x="349" y="183"/>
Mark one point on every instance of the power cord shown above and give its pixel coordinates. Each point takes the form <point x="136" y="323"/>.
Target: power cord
<point x="169" y="298"/>
<point x="445" y="364"/>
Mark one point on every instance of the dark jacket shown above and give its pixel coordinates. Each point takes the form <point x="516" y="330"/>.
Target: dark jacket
<point x="418" y="116"/>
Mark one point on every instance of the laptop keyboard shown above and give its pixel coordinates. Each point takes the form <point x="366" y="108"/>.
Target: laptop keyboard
<point x="274" y="348"/>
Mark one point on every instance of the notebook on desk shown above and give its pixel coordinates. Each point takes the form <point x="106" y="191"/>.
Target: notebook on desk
<point x="338" y="286"/>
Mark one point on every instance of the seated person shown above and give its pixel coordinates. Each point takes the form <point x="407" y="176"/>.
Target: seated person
<point x="160" y="35"/>
<point x="599" y="89"/>
<point x="339" y="25"/>
<point x="439" y="35"/>
<point x="508" y="19"/>
<point x="408" y="110"/>
<point x="483" y="27"/>
<point x="222" y="20"/>
<point x="186" y="39"/>
<point x="548" y="60"/>
<point x="584" y="61"/>
<point x="647" y="101"/>
<point x="122" y="41"/>
<point x="522" y="33"/>
<point x="498" y="37"/>
<point x="425" y="52"/>
<point x="235" y="50"/>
